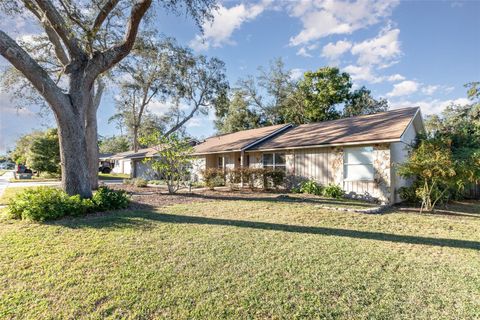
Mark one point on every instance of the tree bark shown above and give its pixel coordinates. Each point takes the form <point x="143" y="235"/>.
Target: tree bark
<point x="91" y="135"/>
<point x="73" y="156"/>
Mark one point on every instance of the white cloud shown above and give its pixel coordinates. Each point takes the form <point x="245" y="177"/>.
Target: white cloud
<point x="428" y="106"/>
<point x="225" y="22"/>
<point x="368" y="74"/>
<point x="381" y="50"/>
<point x="430" y="89"/>
<point x="404" y="88"/>
<point x="333" y="51"/>
<point x="395" y="77"/>
<point x="296" y="73"/>
<point x="362" y="73"/>
<point x="321" y="18"/>
<point x="305" y="50"/>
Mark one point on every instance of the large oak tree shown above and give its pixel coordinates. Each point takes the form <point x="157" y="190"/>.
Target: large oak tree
<point x="85" y="38"/>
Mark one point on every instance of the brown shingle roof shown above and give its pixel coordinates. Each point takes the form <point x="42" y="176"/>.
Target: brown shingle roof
<point x="236" y="141"/>
<point x="387" y="125"/>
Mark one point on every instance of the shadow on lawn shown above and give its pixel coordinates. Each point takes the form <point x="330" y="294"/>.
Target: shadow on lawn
<point x="128" y="219"/>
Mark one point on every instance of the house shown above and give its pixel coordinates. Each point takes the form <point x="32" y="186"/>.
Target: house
<point x="360" y="154"/>
<point x="132" y="163"/>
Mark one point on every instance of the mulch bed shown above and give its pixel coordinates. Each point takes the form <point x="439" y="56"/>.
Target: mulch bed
<point x="150" y="197"/>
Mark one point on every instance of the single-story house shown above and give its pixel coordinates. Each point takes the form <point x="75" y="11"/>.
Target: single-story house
<point x="360" y="154"/>
<point x="132" y="163"/>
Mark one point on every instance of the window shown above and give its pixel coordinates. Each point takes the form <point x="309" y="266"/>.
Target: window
<point x="274" y="160"/>
<point x="220" y="162"/>
<point x="358" y="163"/>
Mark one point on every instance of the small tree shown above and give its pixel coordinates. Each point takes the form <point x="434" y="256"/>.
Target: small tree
<point x="436" y="171"/>
<point x="44" y="155"/>
<point x="172" y="160"/>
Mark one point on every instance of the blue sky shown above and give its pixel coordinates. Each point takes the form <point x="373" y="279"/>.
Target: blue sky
<point x="414" y="53"/>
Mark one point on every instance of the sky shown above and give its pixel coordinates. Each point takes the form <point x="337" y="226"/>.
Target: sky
<point x="413" y="53"/>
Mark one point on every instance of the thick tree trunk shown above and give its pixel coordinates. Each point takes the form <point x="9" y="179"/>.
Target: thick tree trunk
<point x="73" y="154"/>
<point x="92" y="146"/>
<point x="91" y="134"/>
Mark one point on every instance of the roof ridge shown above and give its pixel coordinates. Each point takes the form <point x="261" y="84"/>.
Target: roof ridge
<point x="226" y="134"/>
<point x="360" y="116"/>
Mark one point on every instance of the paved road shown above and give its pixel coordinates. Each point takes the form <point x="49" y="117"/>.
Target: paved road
<point x="4" y="181"/>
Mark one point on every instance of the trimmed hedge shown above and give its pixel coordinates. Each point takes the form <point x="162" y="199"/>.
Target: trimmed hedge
<point x="44" y="203"/>
<point x="253" y="177"/>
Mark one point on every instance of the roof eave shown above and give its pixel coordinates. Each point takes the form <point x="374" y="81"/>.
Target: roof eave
<point x="356" y="143"/>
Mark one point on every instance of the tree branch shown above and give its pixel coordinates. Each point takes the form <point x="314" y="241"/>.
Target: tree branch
<point x="103" y="61"/>
<point x="39" y="78"/>
<point x="59" y="25"/>
<point x="51" y="34"/>
<point x="102" y="15"/>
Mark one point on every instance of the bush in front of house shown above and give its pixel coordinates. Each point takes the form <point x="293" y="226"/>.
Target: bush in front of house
<point x="45" y="203"/>
<point x="139" y="182"/>
<point x="333" y="191"/>
<point x="108" y="199"/>
<point x="213" y="177"/>
<point x="310" y="187"/>
<point x="273" y="178"/>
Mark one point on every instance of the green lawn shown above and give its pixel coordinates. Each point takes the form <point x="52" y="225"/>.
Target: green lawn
<point x="242" y="259"/>
<point x="113" y="176"/>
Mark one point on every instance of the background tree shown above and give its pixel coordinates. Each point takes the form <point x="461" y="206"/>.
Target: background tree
<point x="114" y="144"/>
<point x="360" y="102"/>
<point x="22" y="147"/>
<point x="237" y="116"/>
<point x="323" y="90"/>
<point x="146" y="74"/>
<point x="44" y="153"/>
<point x="185" y="83"/>
<point x="447" y="159"/>
<point x="268" y="92"/>
<point x="173" y="158"/>
<point x="74" y="31"/>
<point x="200" y="82"/>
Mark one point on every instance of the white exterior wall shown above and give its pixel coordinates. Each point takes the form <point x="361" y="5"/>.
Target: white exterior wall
<point x="400" y="152"/>
<point x="198" y="165"/>
<point x="122" y="166"/>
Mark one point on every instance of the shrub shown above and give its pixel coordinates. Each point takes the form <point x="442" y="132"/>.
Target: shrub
<point x="311" y="187"/>
<point x="233" y="176"/>
<point x="213" y="178"/>
<point x="409" y="194"/>
<point x="139" y="182"/>
<point x="156" y="182"/>
<point x="45" y="203"/>
<point x="252" y="175"/>
<point x="333" y="191"/>
<point x="127" y="182"/>
<point x="107" y="199"/>
<point x="274" y="178"/>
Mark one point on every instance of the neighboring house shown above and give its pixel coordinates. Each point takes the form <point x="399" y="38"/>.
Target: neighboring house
<point x="132" y="163"/>
<point x="360" y="154"/>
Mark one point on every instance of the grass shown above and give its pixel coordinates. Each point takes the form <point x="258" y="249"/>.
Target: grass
<point x="242" y="259"/>
<point x="10" y="193"/>
<point x="2" y="172"/>
<point x="113" y="176"/>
